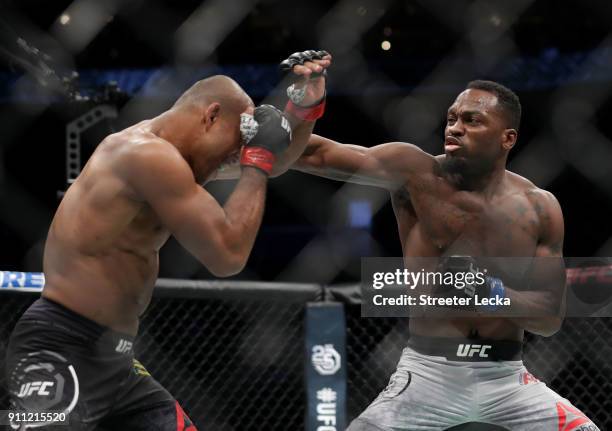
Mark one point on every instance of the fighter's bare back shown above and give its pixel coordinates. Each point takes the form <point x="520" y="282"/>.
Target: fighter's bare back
<point x="101" y="255"/>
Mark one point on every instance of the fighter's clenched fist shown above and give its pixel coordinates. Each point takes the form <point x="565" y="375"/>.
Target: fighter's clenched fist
<point x="306" y="71"/>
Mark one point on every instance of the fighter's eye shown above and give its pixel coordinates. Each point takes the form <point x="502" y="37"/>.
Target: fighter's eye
<point x="450" y="120"/>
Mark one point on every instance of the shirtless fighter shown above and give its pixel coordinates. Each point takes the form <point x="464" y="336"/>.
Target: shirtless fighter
<point x="71" y="351"/>
<point x="464" y="202"/>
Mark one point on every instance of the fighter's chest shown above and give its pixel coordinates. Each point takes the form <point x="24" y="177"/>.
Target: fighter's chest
<point x="465" y="223"/>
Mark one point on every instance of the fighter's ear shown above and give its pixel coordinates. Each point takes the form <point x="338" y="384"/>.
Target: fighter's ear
<point x="509" y="139"/>
<point x="211" y="114"/>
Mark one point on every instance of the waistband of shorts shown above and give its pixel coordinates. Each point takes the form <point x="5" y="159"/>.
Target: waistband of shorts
<point x="467" y="349"/>
<point x="52" y="314"/>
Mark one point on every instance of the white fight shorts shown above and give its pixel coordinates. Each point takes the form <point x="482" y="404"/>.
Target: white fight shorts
<point x="441" y="383"/>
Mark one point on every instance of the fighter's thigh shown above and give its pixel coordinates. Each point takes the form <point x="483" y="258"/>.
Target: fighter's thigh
<point x="46" y="381"/>
<point x="536" y="407"/>
<point x="411" y="401"/>
<point x="144" y="404"/>
<point x="168" y="416"/>
<point x="52" y="369"/>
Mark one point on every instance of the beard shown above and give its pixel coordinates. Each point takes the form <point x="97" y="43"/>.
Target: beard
<point x="230" y="161"/>
<point x="465" y="173"/>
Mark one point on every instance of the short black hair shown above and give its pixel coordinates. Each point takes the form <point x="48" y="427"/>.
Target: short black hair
<point x="506" y="98"/>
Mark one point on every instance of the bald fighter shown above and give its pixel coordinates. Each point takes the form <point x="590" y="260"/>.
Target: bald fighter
<point x="72" y="350"/>
<point x="465" y="203"/>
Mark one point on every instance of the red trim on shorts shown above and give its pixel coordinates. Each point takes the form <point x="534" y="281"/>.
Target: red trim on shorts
<point x="180" y="422"/>
<point x="580" y="420"/>
<point x="528" y="378"/>
<point x="181" y="418"/>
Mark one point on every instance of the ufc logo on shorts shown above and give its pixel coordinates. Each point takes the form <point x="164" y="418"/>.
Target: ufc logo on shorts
<point x="40" y="388"/>
<point x="124" y="346"/>
<point x="469" y="350"/>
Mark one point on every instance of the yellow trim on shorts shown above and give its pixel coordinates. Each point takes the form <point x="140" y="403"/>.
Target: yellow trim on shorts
<point x="139" y="369"/>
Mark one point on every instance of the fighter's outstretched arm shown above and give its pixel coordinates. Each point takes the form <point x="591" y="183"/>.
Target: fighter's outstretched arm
<point x="221" y="238"/>
<point x="387" y="165"/>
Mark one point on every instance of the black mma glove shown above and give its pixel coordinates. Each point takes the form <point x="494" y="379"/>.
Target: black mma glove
<point x="300" y="58"/>
<point x="471" y="281"/>
<point x="272" y="137"/>
<point x="296" y="95"/>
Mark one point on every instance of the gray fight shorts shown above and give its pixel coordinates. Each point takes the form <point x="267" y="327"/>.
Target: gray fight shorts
<point x="441" y="383"/>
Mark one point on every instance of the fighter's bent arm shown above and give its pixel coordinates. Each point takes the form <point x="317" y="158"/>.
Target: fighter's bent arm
<point x="387" y="165"/>
<point x="301" y="131"/>
<point x="314" y="88"/>
<point x="543" y="306"/>
<point x="300" y="134"/>
<point x="221" y="238"/>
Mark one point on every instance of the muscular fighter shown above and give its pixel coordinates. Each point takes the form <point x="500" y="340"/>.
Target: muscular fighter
<point x="71" y="351"/>
<point x="465" y="202"/>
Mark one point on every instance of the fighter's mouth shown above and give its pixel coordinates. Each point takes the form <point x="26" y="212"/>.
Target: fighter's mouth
<point x="451" y="144"/>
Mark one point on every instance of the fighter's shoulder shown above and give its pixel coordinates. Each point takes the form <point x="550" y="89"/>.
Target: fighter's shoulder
<point x="149" y="151"/>
<point x="544" y="202"/>
<point x="153" y="158"/>
<point x="549" y="215"/>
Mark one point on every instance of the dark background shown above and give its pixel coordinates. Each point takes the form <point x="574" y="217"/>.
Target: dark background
<point x="556" y="55"/>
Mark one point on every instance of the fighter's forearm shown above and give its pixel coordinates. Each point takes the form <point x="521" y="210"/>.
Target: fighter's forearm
<point x="341" y="175"/>
<point x="341" y="162"/>
<point x="539" y="312"/>
<point x="539" y="306"/>
<point x="544" y="326"/>
<point x="243" y="213"/>
<point x="322" y="171"/>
